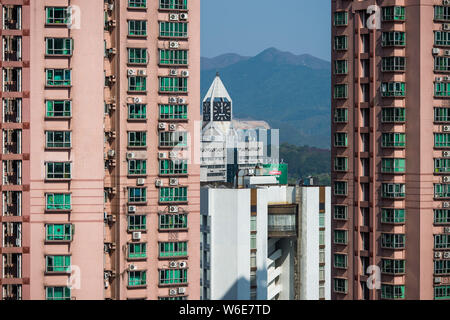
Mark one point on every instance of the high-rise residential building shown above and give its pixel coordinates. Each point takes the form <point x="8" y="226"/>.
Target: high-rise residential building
<point x="100" y="185"/>
<point x="390" y="140"/>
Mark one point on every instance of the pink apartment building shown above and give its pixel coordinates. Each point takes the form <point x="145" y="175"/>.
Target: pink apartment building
<point x="390" y="148"/>
<point x="100" y="197"/>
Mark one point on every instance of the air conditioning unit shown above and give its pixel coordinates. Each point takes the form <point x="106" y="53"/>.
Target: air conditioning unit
<point x="436" y="51"/>
<point x="446" y="78"/>
<point x="437" y="280"/>
<point x="172" y="292"/>
<point x="447" y="255"/>
<point x="162" y="126"/>
<point x="137" y="100"/>
<point x="447" y="230"/>
<point x="447" y="52"/>
<point x="173" y="72"/>
<point x="111" y="51"/>
<point x="142" y="72"/>
<point x="110" y="7"/>
<point x="140" y="181"/>
<point x="172" y="127"/>
<point x="111" y="23"/>
<point x="445" y="2"/>
<point x="158" y="183"/>
<point x="184" y="73"/>
<point x="437" y="255"/>
<point x="173" y="181"/>
<point x="184" y="16"/>
<point x="181" y="290"/>
<point x="446" y="154"/>
<point x="172" y="100"/>
<point x="446" y="179"/>
<point x="162" y="155"/>
<point x="173" y="155"/>
<point x="132" y="267"/>
<point x="173" y="264"/>
<point x="174" y="44"/>
<point x="183" y="264"/>
<point x="131" y="155"/>
<point x="445" y="26"/>
<point x="111" y="153"/>
<point x="131" y="72"/>
<point x="445" y="204"/>
<point x="438" y="79"/>
<point x="132" y="209"/>
<point x="173" y="209"/>
<point x="174" y="17"/>
<point x="181" y="100"/>
<point x="137" y="235"/>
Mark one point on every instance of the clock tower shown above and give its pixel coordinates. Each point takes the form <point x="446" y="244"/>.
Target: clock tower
<point x="217" y="104"/>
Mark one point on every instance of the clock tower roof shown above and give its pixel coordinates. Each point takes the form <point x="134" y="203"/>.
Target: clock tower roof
<point x="217" y="91"/>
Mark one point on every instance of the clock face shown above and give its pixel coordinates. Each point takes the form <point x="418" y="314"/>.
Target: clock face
<point x="222" y="111"/>
<point x="206" y="111"/>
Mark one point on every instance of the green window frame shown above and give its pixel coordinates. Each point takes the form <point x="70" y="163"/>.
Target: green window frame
<point x="393" y="13"/>
<point x="441" y="267"/>
<point x="173" y="84"/>
<point x="341" y="115"/>
<point x="393" y="89"/>
<point x="137" y="55"/>
<point x="59" y="232"/>
<point x="137" y="222"/>
<point x="137" y="28"/>
<point x="393" y="115"/>
<point x="137" y="139"/>
<point x="392" y="64"/>
<point x="393" y="139"/>
<point x="442" y="292"/>
<point x="58" y="108"/>
<point x="442" y="64"/>
<point x="340" y="164"/>
<point x="173" y="194"/>
<point x="441" y="216"/>
<point x="393" y="190"/>
<point x="173" y="221"/>
<point x="441" y="165"/>
<point x="58" y="201"/>
<point x="392" y="292"/>
<point x="393" y="241"/>
<point x="58" y="170"/>
<point x="137" y="167"/>
<point x="58" y="263"/>
<point x="442" y="38"/>
<point x="340" y="18"/>
<point x="441" y="140"/>
<point x="340" y="67"/>
<point x="393" y="39"/>
<point x="173" y="4"/>
<point x="441" y="114"/>
<point x="393" y="266"/>
<point x="340" y="43"/>
<point x="442" y="13"/>
<point x="340" y="236"/>
<point x="173" y="139"/>
<point x="340" y="285"/>
<point x="58" y="139"/>
<point x="340" y="212"/>
<point x="391" y="215"/>
<point x="393" y="165"/>
<point x="173" y="57"/>
<point x="340" y="261"/>
<point x="57" y="15"/>
<point x="57" y="293"/>
<point x="442" y="89"/>
<point x="58" y="77"/>
<point x="58" y="46"/>
<point x="340" y="188"/>
<point x="137" y="83"/>
<point x="173" y="249"/>
<point x="441" y="190"/>
<point x="137" y="278"/>
<point x="173" y="167"/>
<point x="340" y="91"/>
<point x="137" y="4"/>
<point x="137" y="111"/>
<point x="442" y="241"/>
<point x="173" y="276"/>
<point x="173" y="29"/>
<point x="173" y="112"/>
<point x="340" y="139"/>
<point x="137" y="250"/>
<point x="137" y="194"/>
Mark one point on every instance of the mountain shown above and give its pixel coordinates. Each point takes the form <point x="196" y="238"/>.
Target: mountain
<point x="290" y="92"/>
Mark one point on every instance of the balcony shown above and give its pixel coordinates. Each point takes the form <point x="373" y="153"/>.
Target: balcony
<point x="12" y="265"/>
<point x="12" y="141"/>
<point x="282" y="221"/>
<point x="12" y="17"/>
<point x="12" y="48"/>
<point x="12" y="292"/>
<point x="12" y="172"/>
<point x="12" y="203"/>
<point x="12" y="79"/>
<point x="12" y="110"/>
<point x="12" y="234"/>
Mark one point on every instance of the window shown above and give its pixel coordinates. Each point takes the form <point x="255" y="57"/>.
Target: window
<point x="137" y="111"/>
<point x="340" y="139"/>
<point x="393" y="38"/>
<point x="172" y="167"/>
<point x="340" y="91"/>
<point x="173" y="139"/>
<point x="442" y="267"/>
<point x="137" y="222"/>
<point x="441" y="190"/>
<point x="441" y="216"/>
<point x="340" y="18"/>
<point x="137" y="278"/>
<point x="137" y="167"/>
<point x="393" y="89"/>
<point x="58" y="170"/>
<point x="391" y="115"/>
<point x="390" y="64"/>
<point x="340" y="236"/>
<point x="393" y="140"/>
<point x="341" y="164"/>
<point x="442" y="292"/>
<point x="173" y="221"/>
<point x="172" y="249"/>
<point x="442" y="140"/>
<point x="392" y="266"/>
<point x="173" y="276"/>
<point x="340" y="285"/>
<point x="173" y="57"/>
<point x="340" y="43"/>
<point x="58" y="139"/>
<point x="392" y="291"/>
<point x="58" y="77"/>
<point x="441" y="114"/>
<point x="442" y="241"/>
<point x="392" y="241"/>
<point x="137" y="195"/>
<point x="59" y="232"/>
<point x="173" y="112"/>
<point x="173" y="4"/>
<point x="137" y="56"/>
<point x="58" y="201"/>
<point x="57" y="15"/>
<point x="340" y="188"/>
<point x="395" y="13"/>
<point x="340" y="261"/>
<point x="441" y="38"/>
<point x="173" y="29"/>
<point x="172" y="84"/>
<point x="57" y="264"/>
<point x="340" y="212"/>
<point x="442" y="89"/>
<point x="442" y="165"/>
<point x="442" y="64"/>
<point x="390" y="215"/>
<point x="137" y="3"/>
<point x="137" y="250"/>
<point x="57" y="293"/>
<point x="340" y="67"/>
<point x="58" y="108"/>
<point x="442" y="13"/>
<point x="137" y="138"/>
<point x="393" y="190"/>
<point x="137" y="28"/>
<point x="340" y="115"/>
<point x="137" y="83"/>
<point x="173" y="194"/>
<point x="58" y="46"/>
<point x="393" y="165"/>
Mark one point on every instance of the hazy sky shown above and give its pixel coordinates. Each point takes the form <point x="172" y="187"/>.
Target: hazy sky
<point x="247" y="27"/>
